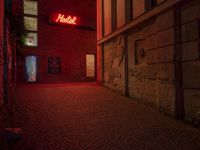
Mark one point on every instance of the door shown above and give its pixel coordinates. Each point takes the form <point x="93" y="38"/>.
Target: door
<point x="90" y="66"/>
<point x="31" y="68"/>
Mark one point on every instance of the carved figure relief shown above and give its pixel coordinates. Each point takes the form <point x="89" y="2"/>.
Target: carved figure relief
<point x="115" y="73"/>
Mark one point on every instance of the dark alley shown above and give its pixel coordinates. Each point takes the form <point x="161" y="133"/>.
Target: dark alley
<point x="99" y="74"/>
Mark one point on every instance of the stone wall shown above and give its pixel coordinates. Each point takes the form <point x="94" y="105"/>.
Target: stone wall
<point x="150" y="61"/>
<point x="113" y="75"/>
<point x="190" y="15"/>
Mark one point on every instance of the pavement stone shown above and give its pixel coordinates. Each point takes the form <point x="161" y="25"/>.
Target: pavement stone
<point x="90" y="117"/>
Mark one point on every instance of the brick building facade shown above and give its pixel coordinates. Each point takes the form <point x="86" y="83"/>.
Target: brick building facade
<point x="1" y="48"/>
<point x="149" y="50"/>
<point x="60" y="51"/>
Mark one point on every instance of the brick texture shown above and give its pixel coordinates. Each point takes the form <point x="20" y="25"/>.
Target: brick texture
<point x="68" y="43"/>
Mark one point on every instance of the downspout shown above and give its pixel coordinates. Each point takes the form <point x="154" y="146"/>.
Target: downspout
<point x="5" y="65"/>
<point x="126" y="72"/>
<point x="179" y="102"/>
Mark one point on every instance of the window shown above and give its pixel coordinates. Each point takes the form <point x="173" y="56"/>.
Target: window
<point x="113" y="15"/>
<point x="31" y="39"/>
<point x="54" y="65"/>
<point x="107" y="17"/>
<point x="31" y="23"/>
<point x="128" y="10"/>
<point x="120" y="13"/>
<point x="150" y="4"/>
<point x="110" y="16"/>
<point x="30" y="7"/>
<point x="138" y="7"/>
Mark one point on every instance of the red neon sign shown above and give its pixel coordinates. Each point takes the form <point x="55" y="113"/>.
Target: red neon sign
<point x="63" y="19"/>
<point x="69" y="20"/>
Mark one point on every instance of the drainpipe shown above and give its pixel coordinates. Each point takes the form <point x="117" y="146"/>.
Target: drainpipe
<point x="5" y="65"/>
<point x="126" y="65"/>
<point x="179" y="105"/>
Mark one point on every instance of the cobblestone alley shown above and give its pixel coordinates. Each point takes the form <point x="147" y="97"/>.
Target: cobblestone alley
<point x="91" y="117"/>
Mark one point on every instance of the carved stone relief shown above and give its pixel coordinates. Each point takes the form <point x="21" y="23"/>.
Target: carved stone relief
<point x="114" y="74"/>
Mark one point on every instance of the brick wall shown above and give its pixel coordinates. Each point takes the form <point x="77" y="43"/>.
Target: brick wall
<point x="68" y="43"/>
<point x="190" y="15"/>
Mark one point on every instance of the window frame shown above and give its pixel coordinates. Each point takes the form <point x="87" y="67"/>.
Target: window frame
<point x="24" y="6"/>
<point x="30" y="31"/>
<point x="128" y="11"/>
<point x="150" y="4"/>
<point x="36" y="24"/>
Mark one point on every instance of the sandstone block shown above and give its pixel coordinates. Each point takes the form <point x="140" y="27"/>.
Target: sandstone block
<point x="191" y="103"/>
<point x="151" y="56"/>
<point x="150" y="42"/>
<point x="166" y="72"/>
<point x="150" y="28"/>
<point x="166" y="98"/>
<point x="165" y="54"/>
<point x="190" y="31"/>
<point x="190" y="51"/>
<point x="191" y="74"/>
<point x="190" y="12"/>
<point x="160" y="55"/>
<point x="143" y="90"/>
<point x="165" y="20"/>
<point x="165" y="38"/>
<point x="143" y="72"/>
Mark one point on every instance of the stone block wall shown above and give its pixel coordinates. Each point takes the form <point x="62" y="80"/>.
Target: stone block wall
<point x="152" y="66"/>
<point x="151" y="62"/>
<point x="113" y="73"/>
<point x="190" y="30"/>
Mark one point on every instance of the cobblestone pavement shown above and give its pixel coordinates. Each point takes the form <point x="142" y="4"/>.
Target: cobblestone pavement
<point x="91" y="117"/>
